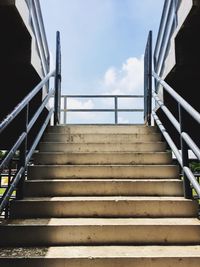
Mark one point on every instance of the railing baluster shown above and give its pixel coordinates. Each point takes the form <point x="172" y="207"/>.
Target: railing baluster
<point x="65" y="109"/>
<point x="116" y="109"/>
<point x="57" y="81"/>
<point x="184" y="152"/>
<point x="23" y="152"/>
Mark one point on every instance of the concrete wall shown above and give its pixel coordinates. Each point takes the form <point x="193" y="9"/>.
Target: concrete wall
<point x="20" y="64"/>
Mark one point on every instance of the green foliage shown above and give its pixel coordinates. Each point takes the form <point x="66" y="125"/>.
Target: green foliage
<point x="1" y="154"/>
<point x="195" y="166"/>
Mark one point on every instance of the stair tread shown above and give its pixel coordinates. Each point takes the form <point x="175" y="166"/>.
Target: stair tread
<point x="102" y="221"/>
<point x="102" y="153"/>
<point x="102" y="134"/>
<point x="104" y="165"/>
<point x="131" y="180"/>
<point x="70" y="252"/>
<point x="141" y="142"/>
<point x="107" y="198"/>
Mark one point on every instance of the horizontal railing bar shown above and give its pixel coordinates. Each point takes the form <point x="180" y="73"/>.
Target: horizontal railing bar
<point x="102" y="110"/>
<point x="102" y="96"/>
<point x="195" y="114"/>
<point x="24" y="102"/>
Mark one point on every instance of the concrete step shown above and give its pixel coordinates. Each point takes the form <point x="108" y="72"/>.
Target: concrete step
<point x="102" y="171"/>
<point x="106" y="158"/>
<point x="109" y="206"/>
<point x="103" y="187"/>
<point x="101" y="256"/>
<point x="101" y="138"/>
<point x="97" y="147"/>
<point x="60" y="232"/>
<point x="102" y="129"/>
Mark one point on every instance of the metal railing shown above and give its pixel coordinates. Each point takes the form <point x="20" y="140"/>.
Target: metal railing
<point x="115" y="110"/>
<point x="186" y="140"/>
<point x="168" y="24"/>
<point x="20" y="145"/>
<point x="38" y="28"/>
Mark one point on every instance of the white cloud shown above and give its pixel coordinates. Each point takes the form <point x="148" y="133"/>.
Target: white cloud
<point x="110" y="77"/>
<point x="126" y="80"/>
<point x="80" y="104"/>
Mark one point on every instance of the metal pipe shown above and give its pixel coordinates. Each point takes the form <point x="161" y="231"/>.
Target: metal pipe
<point x="167" y="112"/>
<point x="24" y="102"/>
<point x="103" y="96"/>
<point x="168" y="138"/>
<point x="192" y="179"/>
<point x="102" y="110"/>
<point x="38" y="112"/>
<point x="191" y="144"/>
<point x="37" y="139"/>
<point x="116" y="107"/>
<point x="195" y="114"/>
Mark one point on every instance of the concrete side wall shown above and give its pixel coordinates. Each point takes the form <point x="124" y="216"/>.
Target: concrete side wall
<point x="22" y="9"/>
<point x="20" y="64"/>
<point x="183" y="11"/>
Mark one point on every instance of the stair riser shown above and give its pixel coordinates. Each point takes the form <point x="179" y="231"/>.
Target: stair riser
<point x="102" y="129"/>
<point x="99" y="235"/>
<point x="104" y="158"/>
<point x="102" y="138"/>
<point x="103" y="262"/>
<point x="74" y="171"/>
<point x="63" y="147"/>
<point x="104" y="188"/>
<point x="118" y="208"/>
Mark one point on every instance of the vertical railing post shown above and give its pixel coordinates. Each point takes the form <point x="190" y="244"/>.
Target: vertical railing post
<point x="22" y="155"/>
<point x="148" y="81"/>
<point x="57" y="81"/>
<point x="184" y="152"/>
<point x="65" y="109"/>
<point x="116" y="110"/>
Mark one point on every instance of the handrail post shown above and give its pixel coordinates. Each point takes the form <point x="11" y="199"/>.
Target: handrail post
<point x="184" y="150"/>
<point x="22" y="155"/>
<point x="57" y="81"/>
<point x="116" y="110"/>
<point x="148" y="81"/>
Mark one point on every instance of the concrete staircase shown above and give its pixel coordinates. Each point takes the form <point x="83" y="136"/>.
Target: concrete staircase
<point x="102" y="196"/>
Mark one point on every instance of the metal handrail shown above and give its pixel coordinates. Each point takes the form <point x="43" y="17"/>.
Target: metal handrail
<point x="40" y="35"/>
<point x="167" y="26"/>
<point x="21" y="142"/>
<point x="193" y="113"/>
<point x="24" y="102"/>
<point x="186" y="141"/>
<point x="178" y="155"/>
<point x="115" y="110"/>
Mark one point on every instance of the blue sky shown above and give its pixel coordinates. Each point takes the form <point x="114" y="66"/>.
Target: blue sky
<point x="102" y="42"/>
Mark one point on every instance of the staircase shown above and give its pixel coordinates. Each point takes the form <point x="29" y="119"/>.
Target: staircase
<point x="100" y="196"/>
